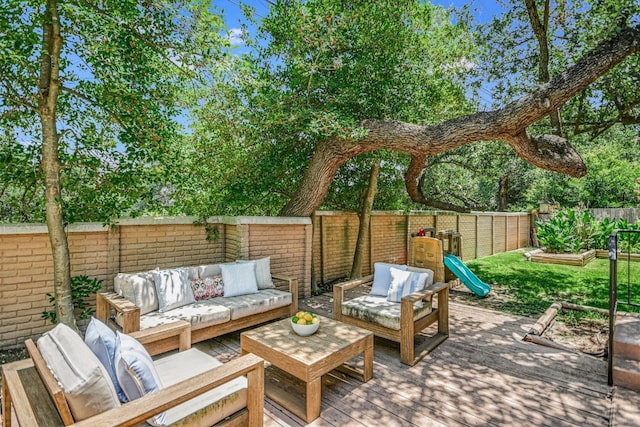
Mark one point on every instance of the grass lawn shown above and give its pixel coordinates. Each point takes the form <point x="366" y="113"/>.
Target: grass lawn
<point x="527" y="288"/>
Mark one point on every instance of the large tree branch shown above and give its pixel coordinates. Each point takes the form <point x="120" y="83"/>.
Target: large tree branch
<point x="414" y="181"/>
<point x="507" y="124"/>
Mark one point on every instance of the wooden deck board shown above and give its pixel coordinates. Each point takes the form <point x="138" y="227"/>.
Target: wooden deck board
<point x="484" y="374"/>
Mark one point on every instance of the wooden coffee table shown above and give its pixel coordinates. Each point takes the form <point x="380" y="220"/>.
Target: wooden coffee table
<point x="309" y="358"/>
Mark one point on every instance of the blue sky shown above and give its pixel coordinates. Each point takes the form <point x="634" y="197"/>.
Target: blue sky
<point x="484" y="9"/>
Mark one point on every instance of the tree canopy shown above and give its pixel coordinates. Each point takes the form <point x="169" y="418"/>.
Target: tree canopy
<point x="93" y="86"/>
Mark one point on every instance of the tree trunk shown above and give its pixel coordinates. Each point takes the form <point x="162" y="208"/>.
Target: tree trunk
<point x="366" y="206"/>
<point x="540" y="29"/>
<point x="48" y="88"/>
<point x="503" y="191"/>
<point x="508" y="124"/>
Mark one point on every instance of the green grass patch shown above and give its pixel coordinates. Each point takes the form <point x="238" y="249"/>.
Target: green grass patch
<point x="527" y="288"/>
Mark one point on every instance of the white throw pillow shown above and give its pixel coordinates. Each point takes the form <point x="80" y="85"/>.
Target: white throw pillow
<point x="136" y="372"/>
<point x="173" y="288"/>
<point x="102" y="342"/>
<point x="382" y="278"/>
<point x="138" y="288"/>
<point x="404" y="283"/>
<point x="263" y="273"/>
<point x="84" y="380"/>
<point x="430" y="273"/>
<point x="239" y="278"/>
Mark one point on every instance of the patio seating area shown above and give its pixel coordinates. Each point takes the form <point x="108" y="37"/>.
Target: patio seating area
<point x="484" y="374"/>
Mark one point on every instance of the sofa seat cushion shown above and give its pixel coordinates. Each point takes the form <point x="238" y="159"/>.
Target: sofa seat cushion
<point x="377" y="309"/>
<point x="246" y="305"/>
<point x="208" y="408"/>
<point x="199" y="314"/>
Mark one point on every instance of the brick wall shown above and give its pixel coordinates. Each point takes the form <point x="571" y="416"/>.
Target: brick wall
<point x="26" y="266"/>
<point x="316" y="251"/>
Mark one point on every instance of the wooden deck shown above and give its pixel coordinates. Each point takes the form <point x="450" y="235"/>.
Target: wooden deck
<point x="484" y="374"/>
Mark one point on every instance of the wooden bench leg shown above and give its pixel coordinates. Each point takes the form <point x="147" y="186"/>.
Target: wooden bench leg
<point x="6" y="405"/>
<point x="443" y="311"/>
<point x="407" y="332"/>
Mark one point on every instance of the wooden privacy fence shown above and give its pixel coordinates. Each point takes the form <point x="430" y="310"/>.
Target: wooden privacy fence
<point x="335" y="234"/>
<point x="632" y="215"/>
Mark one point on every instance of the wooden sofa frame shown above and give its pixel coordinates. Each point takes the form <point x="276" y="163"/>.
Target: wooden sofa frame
<point x="109" y="303"/>
<point x="33" y="397"/>
<point x="409" y="327"/>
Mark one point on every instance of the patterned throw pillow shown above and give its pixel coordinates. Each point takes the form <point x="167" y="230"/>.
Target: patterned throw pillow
<point x="208" y="287"/>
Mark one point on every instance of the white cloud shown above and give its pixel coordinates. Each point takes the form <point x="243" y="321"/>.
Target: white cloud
<point x="462" y="64"/>
<point x="235" y="36"/>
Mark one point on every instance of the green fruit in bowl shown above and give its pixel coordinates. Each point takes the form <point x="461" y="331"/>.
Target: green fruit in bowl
<point x="305" y="318"/>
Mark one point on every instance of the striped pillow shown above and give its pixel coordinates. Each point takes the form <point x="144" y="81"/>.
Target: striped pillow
<point x="405" y="282"/>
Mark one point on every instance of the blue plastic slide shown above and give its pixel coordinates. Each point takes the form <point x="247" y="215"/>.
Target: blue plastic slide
<point x="465" y="275"/>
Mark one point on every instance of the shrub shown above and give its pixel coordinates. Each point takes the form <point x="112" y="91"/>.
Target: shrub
<point x="81" y="288"/>
<point x="567" y="232"/>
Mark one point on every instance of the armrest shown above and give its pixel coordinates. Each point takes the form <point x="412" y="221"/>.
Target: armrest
<point x="107" y="301"/>
<point x="408" y="302"/>
<point x="178" y="328"/>
<point x="338" y="293"/>
<point x="293" y="289"/>
<point x="353" y="283"/>
<point x="139" y="410"/>
<point x="426" y="293"/>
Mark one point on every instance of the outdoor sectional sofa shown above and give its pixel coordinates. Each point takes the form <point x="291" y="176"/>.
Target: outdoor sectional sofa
<point x="214" y="299"/>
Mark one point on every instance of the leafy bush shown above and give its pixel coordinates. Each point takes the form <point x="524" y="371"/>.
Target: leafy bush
<point x="567" y="232"/>
<point x="81" y="288"/>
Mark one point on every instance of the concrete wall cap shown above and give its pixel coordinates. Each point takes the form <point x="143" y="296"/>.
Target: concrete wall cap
<point x="267" y="220"/>
<point x="37" y="228"/>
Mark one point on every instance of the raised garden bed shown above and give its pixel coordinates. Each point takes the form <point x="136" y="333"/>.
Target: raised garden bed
<point x="602" y="253"/>
<point x="581" y="259"/>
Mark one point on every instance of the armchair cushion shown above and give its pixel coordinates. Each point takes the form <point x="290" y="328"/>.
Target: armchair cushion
<point x="382" y="277"/>
<point x="135" y="371"/>
<point x="86" y="384"/>
<point x="102" y="342"/>
<point x="208" y="408"/>
<point x="404" y="283"/>
<point x="375" y="309"/>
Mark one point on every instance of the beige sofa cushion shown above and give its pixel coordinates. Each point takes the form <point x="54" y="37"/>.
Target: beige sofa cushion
<point x="377" y="309"/>
<point x="263" y="272"/>
<point x="173" y="288"/>
<point x="199" y="314"/>
<point x="209" y="270"/>
<point x="86" y="383"/>
<point x="246" y="305"/>
<point x="208" y="408"/>
<point x="139" y="288"/>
